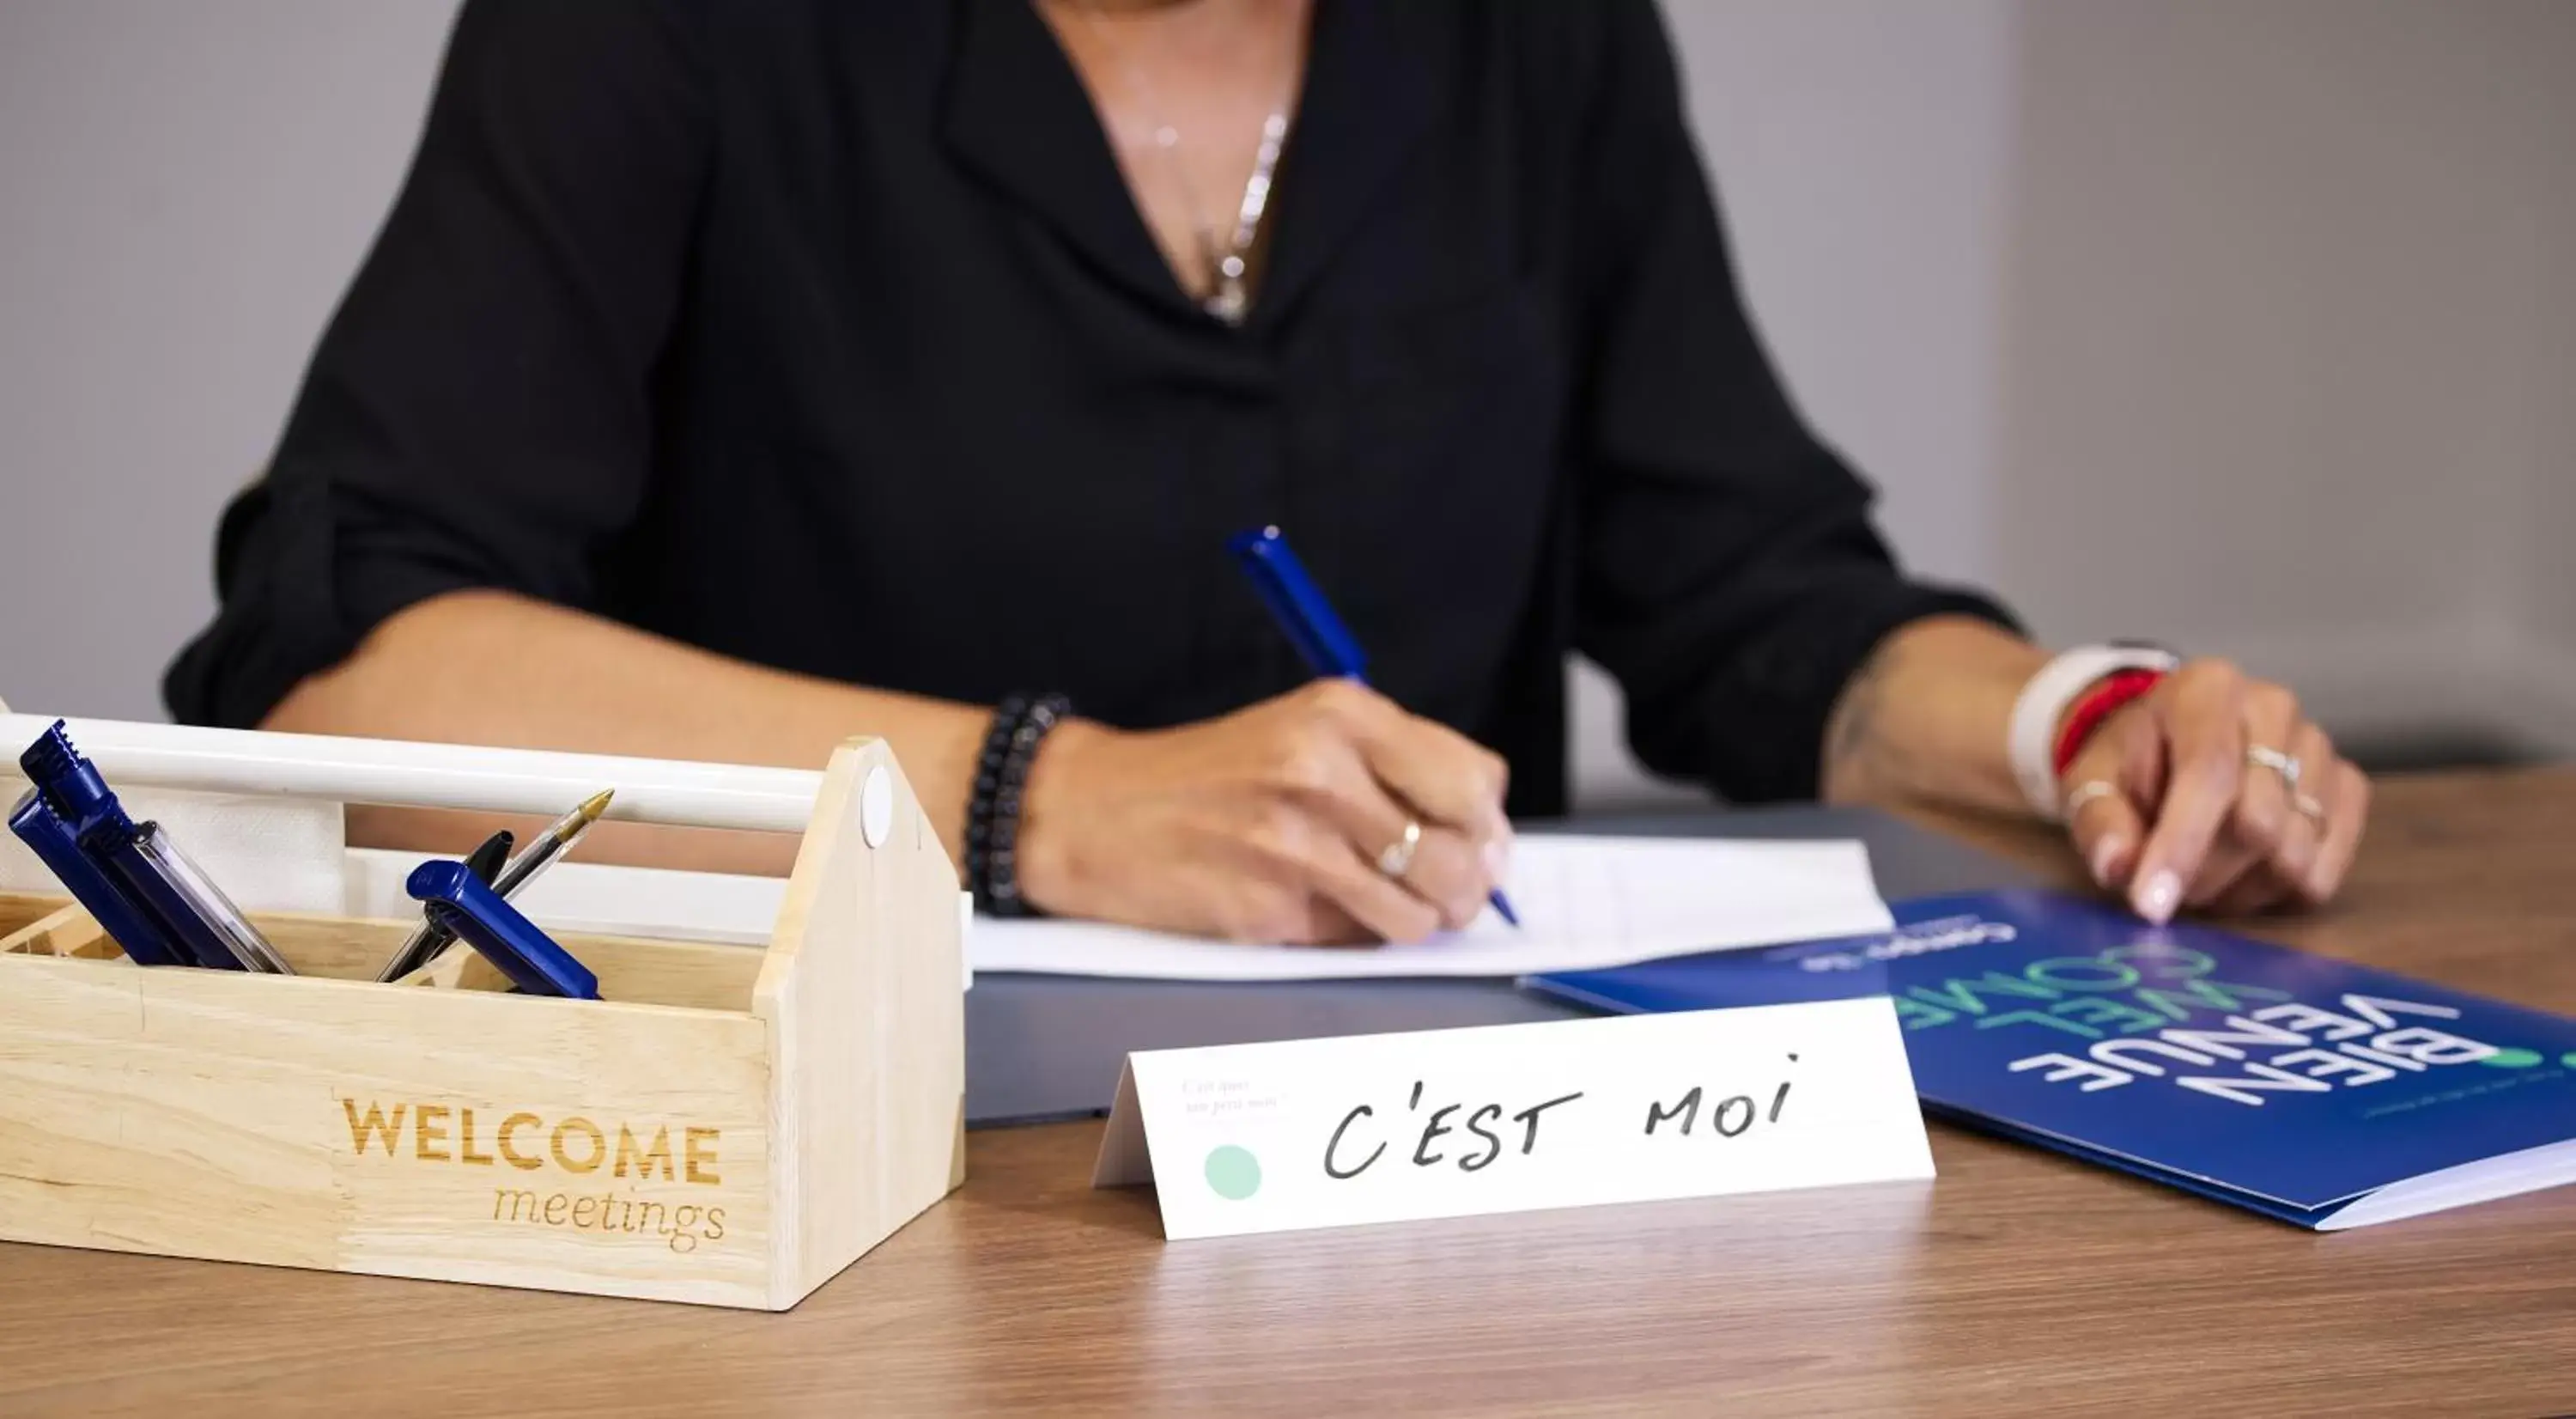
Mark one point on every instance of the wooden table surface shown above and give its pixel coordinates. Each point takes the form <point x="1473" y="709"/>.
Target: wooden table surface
<point x="2019" y="1283"/>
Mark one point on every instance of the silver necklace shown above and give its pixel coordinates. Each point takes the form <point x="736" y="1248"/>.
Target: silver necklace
<point x="1230" y="298"/>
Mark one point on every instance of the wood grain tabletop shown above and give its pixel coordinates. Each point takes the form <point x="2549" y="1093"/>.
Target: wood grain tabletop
<point x="2019" y="1283"/>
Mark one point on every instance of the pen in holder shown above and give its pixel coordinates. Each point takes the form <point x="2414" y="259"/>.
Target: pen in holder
<point x="506" y="877"/>
<point x="461" y="903"/>
<point x="175" y="887"/>
<point x="149" y="895"/>
<point x="58" y="847"/>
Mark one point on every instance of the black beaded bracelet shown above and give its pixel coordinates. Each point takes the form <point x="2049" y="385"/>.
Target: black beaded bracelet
<point x="1020" y="725"/>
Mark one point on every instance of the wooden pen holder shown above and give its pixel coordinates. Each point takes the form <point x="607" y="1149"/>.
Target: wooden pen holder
<point x="727" y="1126"/>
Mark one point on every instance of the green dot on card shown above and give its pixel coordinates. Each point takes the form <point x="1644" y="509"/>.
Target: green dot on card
<point x="2568" y="1059"/>
<point x="1233" y="1172"/>
<point x="2513" y="1058"/>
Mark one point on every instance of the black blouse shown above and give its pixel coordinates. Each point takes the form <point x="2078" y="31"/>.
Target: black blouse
<point x="826" y="335"/>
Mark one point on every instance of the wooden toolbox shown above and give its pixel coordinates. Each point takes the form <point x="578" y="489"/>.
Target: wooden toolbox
<point x="728" y="1125"/>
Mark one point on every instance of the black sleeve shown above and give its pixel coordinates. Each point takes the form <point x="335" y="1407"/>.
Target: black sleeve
<point x="476" y="415"/>
<point x="1730" y="575"/>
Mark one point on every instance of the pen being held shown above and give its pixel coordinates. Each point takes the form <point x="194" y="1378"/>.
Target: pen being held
<point x="1271" y="823"/>
<point x="1329" y="649"/>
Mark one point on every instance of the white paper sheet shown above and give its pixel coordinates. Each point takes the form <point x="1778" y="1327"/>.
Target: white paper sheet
<point x="1585" y="903"/>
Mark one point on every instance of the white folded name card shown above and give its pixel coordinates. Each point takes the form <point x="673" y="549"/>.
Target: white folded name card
<point x="1510" y="1118"/>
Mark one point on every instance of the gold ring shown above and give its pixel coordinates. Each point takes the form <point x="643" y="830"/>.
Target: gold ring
<point x="2086" y="792"/>
<point x="1397" y="859"/>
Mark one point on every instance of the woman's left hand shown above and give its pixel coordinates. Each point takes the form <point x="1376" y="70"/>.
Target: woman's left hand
<point x="2215" y="793"/>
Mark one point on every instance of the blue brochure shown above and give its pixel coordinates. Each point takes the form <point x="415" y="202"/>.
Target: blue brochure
<point x="2315" y="1091"/>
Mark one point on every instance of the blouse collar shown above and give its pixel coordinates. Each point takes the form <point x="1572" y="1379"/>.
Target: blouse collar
<point x="1377" y="74"/>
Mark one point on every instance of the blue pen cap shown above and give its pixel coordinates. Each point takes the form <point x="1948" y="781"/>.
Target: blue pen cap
<point x="1297" y="603"/>
<point x="460" y="902"/>
<point x="71" y="784"/>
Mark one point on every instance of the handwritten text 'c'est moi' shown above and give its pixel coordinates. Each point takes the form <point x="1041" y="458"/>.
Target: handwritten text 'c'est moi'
<point x="1357" y="1143"/>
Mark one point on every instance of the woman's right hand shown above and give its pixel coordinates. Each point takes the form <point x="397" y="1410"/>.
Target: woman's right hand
<point x="1267" y="824"/>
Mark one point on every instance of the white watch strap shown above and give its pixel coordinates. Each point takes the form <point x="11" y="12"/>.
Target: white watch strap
<point x="2030" y="743"/>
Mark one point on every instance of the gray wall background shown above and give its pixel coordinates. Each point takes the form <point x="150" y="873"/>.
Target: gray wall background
<point x="2248" y="324"/>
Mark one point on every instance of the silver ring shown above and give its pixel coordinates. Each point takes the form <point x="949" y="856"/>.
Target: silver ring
<point x="2286" y="765"/>
<point x="2087" y="792"/>
<point x="2308" y="806"/>
<point x="1397" y="859"/>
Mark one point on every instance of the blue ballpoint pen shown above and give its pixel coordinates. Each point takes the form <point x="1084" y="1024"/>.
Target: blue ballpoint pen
<point x="172" y="913"/>
<point x="462" y="903"/>
<point x="53" y="840"/>
<point x="1319" y="635"/>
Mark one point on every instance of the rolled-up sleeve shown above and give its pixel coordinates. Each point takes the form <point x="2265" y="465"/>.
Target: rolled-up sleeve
<point x="477" y="414"/>
<point x="1731" y="578"/>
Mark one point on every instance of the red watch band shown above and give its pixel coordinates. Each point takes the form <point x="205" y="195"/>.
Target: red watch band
<point x="2096" y="705"/>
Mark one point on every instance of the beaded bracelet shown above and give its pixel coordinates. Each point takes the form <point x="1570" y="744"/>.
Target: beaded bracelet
<point x="1020" y="725"/>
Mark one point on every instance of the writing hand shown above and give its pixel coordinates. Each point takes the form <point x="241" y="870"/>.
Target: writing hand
<point x="1267" y="824"/>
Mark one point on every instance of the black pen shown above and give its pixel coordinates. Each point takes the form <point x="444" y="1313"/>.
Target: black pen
<point x="425" y="944"/>
<point x="486" y="861"/>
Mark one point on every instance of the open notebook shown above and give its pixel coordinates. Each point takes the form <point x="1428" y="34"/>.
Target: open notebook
<point x="2322" y="1093"/>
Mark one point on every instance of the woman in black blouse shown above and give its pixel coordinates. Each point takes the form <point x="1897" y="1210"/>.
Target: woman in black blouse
<point x="730" y="379"/>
